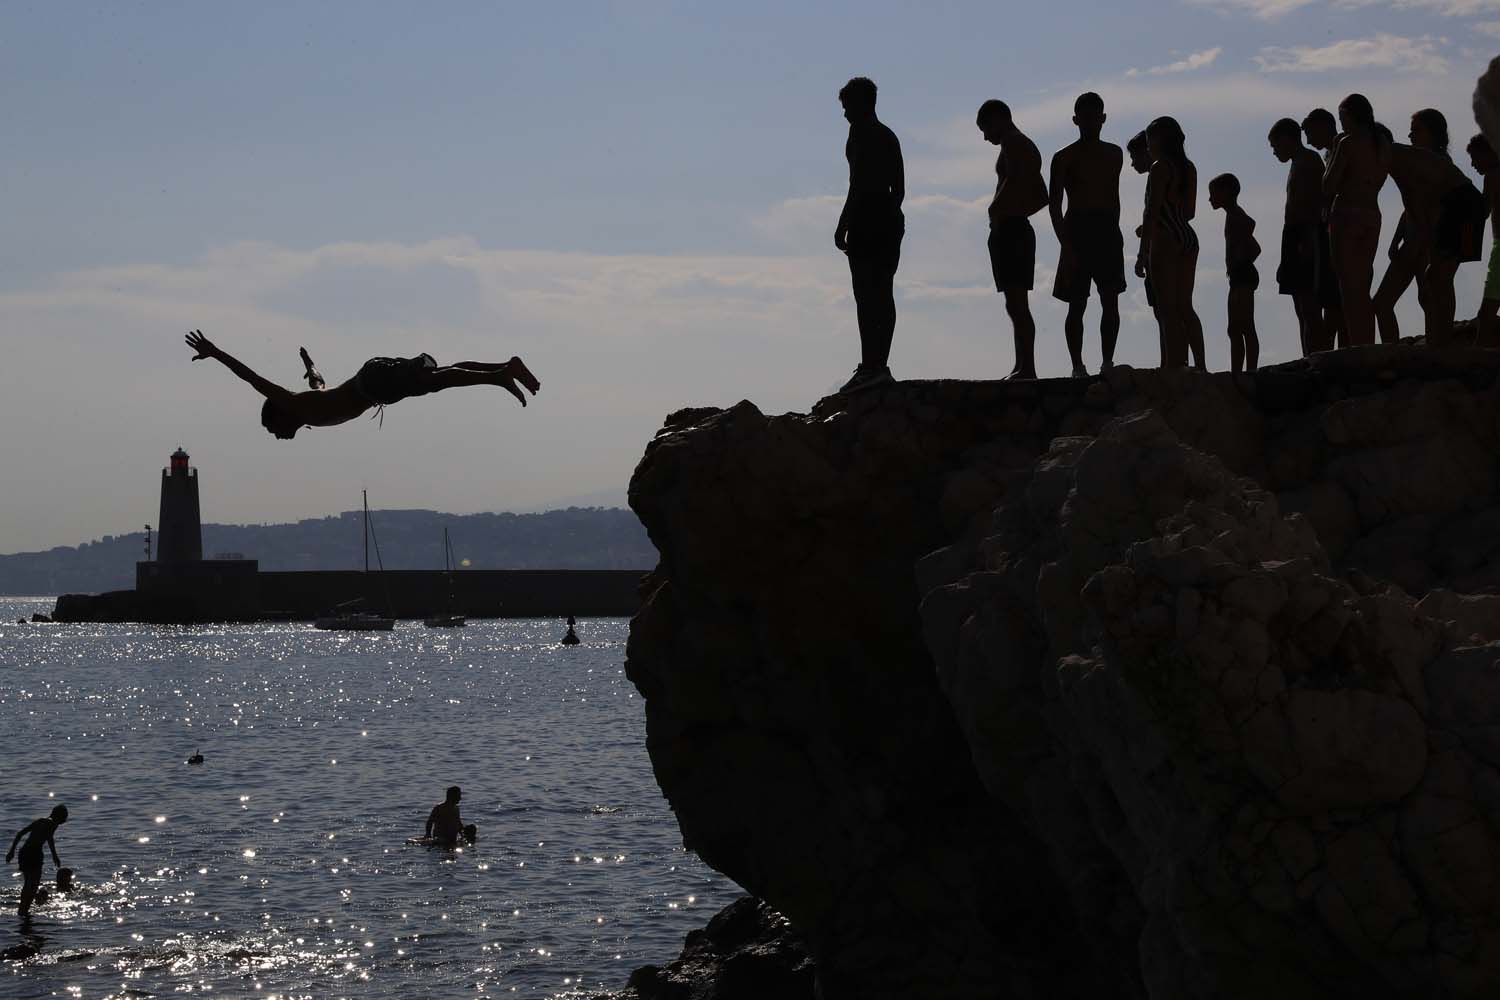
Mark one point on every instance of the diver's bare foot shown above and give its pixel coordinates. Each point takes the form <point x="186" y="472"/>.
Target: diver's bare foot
<point x="518" y="370"/>
<point x="507" y="383"/>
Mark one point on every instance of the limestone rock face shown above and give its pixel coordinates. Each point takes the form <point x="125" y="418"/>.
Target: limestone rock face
<point x="1159" y="684"/>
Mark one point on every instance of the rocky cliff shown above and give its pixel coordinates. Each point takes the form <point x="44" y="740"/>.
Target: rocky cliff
<point x="1158" y="684"/>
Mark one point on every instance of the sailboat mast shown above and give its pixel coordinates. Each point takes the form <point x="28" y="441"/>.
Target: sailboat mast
<point x="365" y="497"/>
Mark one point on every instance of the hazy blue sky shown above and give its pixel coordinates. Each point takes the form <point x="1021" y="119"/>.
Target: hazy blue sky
<point x="638" y="198"/>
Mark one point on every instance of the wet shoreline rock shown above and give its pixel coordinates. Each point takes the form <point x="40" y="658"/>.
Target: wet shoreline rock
<point x="748" y="951"/>
<point x="1154" y="684"/>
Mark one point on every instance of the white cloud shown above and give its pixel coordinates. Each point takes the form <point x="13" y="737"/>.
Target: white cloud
<point x="1268" y="10"/>
<point x="1197" y="60"/>
<point x="1445" y="8"/>
<point x="1383" y="51"/>
<point x="1264" y="9"/>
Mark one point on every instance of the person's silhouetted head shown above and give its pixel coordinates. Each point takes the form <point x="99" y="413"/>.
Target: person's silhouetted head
<point x="1357" y="114"/>
<point x="994" y="121"/>
<point x="858" y="98"/>
<point x="60" y="815"/>
<point x="1482" y="155"/>
<point x="1429" y="130"/>
<point x="1224" y="191"/>
<point x="1320" y="128"/>
<point x="1140" y="153"/>
<point x="1088" y="114"/>
<point x="453" y="794"/>
<point x="1165" y="140"/>
<point x="1285" y="136"/>
<point x="278" y="421"/>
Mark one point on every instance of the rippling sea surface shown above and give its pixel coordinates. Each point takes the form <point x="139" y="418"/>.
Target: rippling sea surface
<point x="277" y="868"/>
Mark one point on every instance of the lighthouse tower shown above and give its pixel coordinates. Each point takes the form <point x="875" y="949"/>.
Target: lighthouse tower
<point x="179" y="528"/>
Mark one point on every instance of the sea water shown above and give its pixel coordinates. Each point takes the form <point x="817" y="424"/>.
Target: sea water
<point x="277" y="868"/>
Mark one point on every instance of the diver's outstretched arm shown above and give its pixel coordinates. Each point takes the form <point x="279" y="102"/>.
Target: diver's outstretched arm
<point x="205" y="349"/>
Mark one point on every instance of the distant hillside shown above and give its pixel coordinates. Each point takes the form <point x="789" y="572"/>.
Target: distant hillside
<point x="576" y="538"/>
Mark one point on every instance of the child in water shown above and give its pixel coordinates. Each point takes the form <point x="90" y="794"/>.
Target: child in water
<point x="38" y="834"/>
<point x="1240" y="253"/>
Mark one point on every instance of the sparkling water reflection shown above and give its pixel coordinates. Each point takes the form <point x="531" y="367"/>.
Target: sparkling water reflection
<point x="277" y="867"/>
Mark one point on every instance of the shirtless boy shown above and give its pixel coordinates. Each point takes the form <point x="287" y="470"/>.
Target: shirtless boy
<point x="1087" y="175"/>
<point x="378" y="383"/>
<point x="1322" y="131"/>
<point x="444" y="823"/>
<point x="1240" y="253"/>
<point x="1020" y="192"/>
<point x="1301" y="232"/>
<point x="1487" y="165"/>
<point x="38" y="834"/>
<point x="1351" y="204"/>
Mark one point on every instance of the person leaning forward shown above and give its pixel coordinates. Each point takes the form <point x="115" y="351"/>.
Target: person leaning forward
<point x="1020" y="192"/>
<point x="870" y="229"/>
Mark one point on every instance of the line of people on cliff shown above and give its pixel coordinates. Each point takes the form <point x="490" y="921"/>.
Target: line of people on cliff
<point x="1330" y="234"/>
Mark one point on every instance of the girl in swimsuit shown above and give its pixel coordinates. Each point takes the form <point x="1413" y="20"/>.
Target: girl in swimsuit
<point x="1351" y="204"/>
<point x="1169" y="247"/>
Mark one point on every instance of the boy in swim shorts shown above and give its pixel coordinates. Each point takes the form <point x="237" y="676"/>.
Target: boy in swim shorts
<point x="1240" y="252"/>
<point x="378" y="383"/>
<point x="38" y="834"/>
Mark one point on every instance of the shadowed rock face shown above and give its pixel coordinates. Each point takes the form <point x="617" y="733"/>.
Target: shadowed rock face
<point x="1023" y="690"/>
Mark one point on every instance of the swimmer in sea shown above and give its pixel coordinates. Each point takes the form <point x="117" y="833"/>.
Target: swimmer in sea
<point x="38" y="833"/>
<point x="378" y="383"/>
<point x="444" y="824"/>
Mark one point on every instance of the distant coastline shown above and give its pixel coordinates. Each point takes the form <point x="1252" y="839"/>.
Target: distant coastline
<point x="573" y="538"/>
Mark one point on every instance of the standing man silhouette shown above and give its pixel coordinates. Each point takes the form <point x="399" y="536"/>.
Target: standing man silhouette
<point x="1322" y="131"/>
<point x="870" y="230"/>
<point x="1303" y="234"/>
<point x="1092" y="248"/>
<point x="1020" y="193"/>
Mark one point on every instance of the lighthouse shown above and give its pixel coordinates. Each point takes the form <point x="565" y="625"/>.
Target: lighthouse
<point x="179" y="527"/>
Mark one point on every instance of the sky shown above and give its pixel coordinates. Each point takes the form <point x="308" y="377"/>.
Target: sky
<point x="637" y="198"/>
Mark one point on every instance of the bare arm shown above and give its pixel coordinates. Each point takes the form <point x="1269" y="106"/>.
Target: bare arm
<point x="206" y="349"/>
<point x="1055" y="196"/>
<point x="898" y="175"/>
<point x="19" y="834"/>
<point x="431" y="817"/>
<point x="1333" y="179"/>
<point x="55" y="859"/>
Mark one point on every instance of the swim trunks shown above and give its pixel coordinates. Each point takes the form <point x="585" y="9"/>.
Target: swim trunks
<point x="1012" y="247"/>
<point x="1297" y="274"/>
<point x="1093" y="254"/>
<point x="29" y="860"/>
<point x="389" y="380"/>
